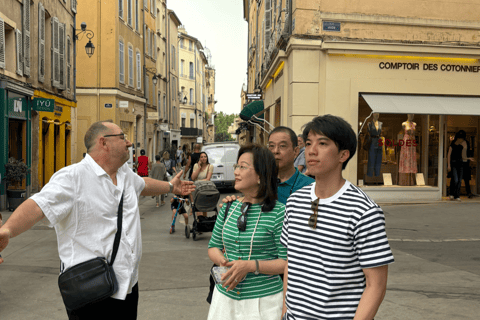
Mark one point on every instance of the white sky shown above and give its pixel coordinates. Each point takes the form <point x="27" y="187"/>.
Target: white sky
<point x="219" y="25"/>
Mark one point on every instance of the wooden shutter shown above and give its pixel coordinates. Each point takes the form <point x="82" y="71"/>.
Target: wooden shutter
<point x="61" y="55"/>
<point x="26" y="37"/>
<point x="120" y="8"/>
<point x="2" y="44"/>
<point x="41" y="42"/>
<point x="155" y="46"/>
<point x="55" y="53"/>
<point x="67" y="58"/>
<point x="139" y="72"/>
<point x="122" y="62"/>
<point x="19" y="40"/>
<point x="268" y="21"/>
<point x="145" y="4"/>
<point x="146" y="90"/>
<point x="74" y="5"/>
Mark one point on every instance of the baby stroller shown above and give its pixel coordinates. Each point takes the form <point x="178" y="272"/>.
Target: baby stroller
<point x="205" y="198"/>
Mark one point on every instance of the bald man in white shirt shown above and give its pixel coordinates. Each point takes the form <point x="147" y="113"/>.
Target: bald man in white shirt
<point x="81" y="201"/>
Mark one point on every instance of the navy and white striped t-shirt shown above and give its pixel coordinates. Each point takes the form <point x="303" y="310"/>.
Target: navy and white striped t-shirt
<point x="325" y="277"/>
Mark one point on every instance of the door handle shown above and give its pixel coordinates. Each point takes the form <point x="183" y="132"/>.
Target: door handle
<point x="220" y="166"/>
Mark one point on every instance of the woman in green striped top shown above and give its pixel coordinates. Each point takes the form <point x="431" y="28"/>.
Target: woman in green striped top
<point x="250" y="234"/>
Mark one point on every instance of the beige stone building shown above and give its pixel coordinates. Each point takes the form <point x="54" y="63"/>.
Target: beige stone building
<point x="312" y="57"/>
<point x="37" y="96"/>
<point x="209" y="134"/>
<point x="193" y="66"/>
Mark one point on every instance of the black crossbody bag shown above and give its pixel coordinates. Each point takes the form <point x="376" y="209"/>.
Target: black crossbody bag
<point x="212" y="281"/>
<point x="93" y="280"/>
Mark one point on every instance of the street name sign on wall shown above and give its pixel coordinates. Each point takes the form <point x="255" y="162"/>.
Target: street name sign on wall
<point x="254" y="96"/>
<point x="42" y="104"/>
<point x="108" y="105"/>
<point x="331" y="26"/>
<point x="123" y="104"/>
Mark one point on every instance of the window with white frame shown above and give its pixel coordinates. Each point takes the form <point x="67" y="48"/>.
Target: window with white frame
<point x="122" y="62"/>
<point x="69" y="63"/>
<point x="130" y="66"/>
<point x="191" y="96"/>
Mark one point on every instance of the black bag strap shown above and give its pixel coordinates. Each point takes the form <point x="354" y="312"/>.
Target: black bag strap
<point x="226" y="211"/>
<point x="118" y="235"/>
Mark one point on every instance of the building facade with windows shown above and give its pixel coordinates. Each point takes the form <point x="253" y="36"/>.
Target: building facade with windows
<point x="416" y="68"/>
<point x="37" y="98"/>
<point x="192" y="94"/>
<point x="111" y="84"/>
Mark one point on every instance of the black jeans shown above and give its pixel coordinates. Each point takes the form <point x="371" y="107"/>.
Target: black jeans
<point x="109" y="309"/>
<point x="456" y="180"/>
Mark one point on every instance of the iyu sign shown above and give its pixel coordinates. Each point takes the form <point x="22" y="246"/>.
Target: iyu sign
<point x="42" y="104"/>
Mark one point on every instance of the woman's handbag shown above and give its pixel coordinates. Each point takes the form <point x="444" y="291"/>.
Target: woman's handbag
<point x="93" y="280"/>
<point x="212" y="281"/>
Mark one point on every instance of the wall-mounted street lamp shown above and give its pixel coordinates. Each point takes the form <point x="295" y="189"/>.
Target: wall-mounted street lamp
<point x="183" y="100"/>
<point x="89" y="47"/>
<point x="155" y="75"/>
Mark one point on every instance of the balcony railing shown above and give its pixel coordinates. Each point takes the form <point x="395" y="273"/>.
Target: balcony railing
<point x="190" y="131"/>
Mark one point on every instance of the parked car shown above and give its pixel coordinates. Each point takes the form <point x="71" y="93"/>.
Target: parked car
<point x="222" y="155"/>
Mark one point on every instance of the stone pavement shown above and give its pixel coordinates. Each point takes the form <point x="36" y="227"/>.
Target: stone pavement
<point x="436" y="274"/>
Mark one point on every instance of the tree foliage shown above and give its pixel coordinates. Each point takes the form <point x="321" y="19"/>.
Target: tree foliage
<point x="222" y="122"/>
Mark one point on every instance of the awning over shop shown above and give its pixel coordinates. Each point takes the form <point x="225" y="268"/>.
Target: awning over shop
<point x="416" y="104"/>
<point x="252" y="109"/>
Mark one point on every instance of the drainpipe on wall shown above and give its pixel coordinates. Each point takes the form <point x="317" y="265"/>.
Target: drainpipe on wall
<point x="145" y="77"/>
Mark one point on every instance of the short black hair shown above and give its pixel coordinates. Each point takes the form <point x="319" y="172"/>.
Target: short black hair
<point x="336" y="129"/>
<point x="287" y="130"/>
<point x="142" y="152"/>
<point x="266" y="168"/>
<point x="157" y="157"/>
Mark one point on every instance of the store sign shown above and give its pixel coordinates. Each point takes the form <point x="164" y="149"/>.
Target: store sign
<point x="199" y="139"/>
<point x="331" y="26"/>
<point x="428" y="67"/>
<point x="58" y="111"/>
<point x="123" y="104"/>
<point x="42" y="104"/>
<point x="17" y="107"/>
<point x="152" y="115"/>
<point x="254" y="96"/>
<point x="164" y="126"/>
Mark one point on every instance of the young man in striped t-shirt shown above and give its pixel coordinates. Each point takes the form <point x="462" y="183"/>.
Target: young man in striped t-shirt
<point x="338" y="252"/>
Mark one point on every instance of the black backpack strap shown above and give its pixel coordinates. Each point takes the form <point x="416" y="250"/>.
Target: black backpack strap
<point x="118" y="235"/>
<point x="226" y="211"/>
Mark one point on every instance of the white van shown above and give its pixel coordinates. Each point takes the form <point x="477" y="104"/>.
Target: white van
<point x="222" y="155"/>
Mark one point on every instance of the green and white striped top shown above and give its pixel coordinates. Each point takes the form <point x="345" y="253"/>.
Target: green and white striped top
<point x="266" y="246"/>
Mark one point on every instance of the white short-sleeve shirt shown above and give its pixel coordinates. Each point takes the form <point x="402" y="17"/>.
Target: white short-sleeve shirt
<point x="81" y="202"/>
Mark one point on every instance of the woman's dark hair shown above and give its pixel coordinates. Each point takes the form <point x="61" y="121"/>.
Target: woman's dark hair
<point x="205" y="155"/>
<point x="336" y="129"/>
<point x="142" y="152"/>
<point x="266" y="168"/>
<point x="461" y="134"/>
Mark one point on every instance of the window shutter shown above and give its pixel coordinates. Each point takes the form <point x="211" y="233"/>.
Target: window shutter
<point x="154" y="8"/>
<point x="130" y="66"/>
<point x="145" y="4"/>
<point x="2" y="44"/>
<point x="18" y="38"/>
<point x="120" y="8"/>
<point x="41" y="42"/>
<point x="155" y="46"/>
<point x="69" y="43"/>
<point x="61" y="55"/>
<point x="26" y="37"/>
<point x="146" y="91"/>
<point x="268" y="21"/>
<point x="139" y="72"/>
<point x="74" y="5"/>
<point x="55" y="53"/>
<point x="122" y="62"/>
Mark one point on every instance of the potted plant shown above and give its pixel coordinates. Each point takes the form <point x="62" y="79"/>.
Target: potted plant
<point x="15" y="172"/>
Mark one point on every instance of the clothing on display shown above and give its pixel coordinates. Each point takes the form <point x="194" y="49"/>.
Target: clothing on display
<point x="408" y="155"/>
<point x="375" y="151"/>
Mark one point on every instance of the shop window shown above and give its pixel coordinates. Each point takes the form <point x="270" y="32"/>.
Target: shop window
<point x="397" y="149"/>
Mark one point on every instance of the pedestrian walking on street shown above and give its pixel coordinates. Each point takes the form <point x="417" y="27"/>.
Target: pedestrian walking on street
<point x="338" y="252"/>
<point x="250" y="236"/>
<point x="194" y="157"/>
<point x="82" y="201"/>
<point x="143" y="164"/>
<point x="158" y="172"/>
<point x="456" y="157"/>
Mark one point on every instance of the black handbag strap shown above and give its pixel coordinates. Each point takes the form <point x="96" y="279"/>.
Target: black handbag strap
<point x="118" y="235"/>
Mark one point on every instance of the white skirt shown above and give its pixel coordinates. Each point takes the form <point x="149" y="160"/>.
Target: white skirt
<point x="225" y="308"/>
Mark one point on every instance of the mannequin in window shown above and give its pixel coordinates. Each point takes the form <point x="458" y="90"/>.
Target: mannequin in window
<point x="374" y="129"/>
<point x="408" y="154"/>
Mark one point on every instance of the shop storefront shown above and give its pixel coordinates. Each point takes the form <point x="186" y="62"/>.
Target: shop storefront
<point x="406" y="110"/>
<point x="15" y="138"/>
